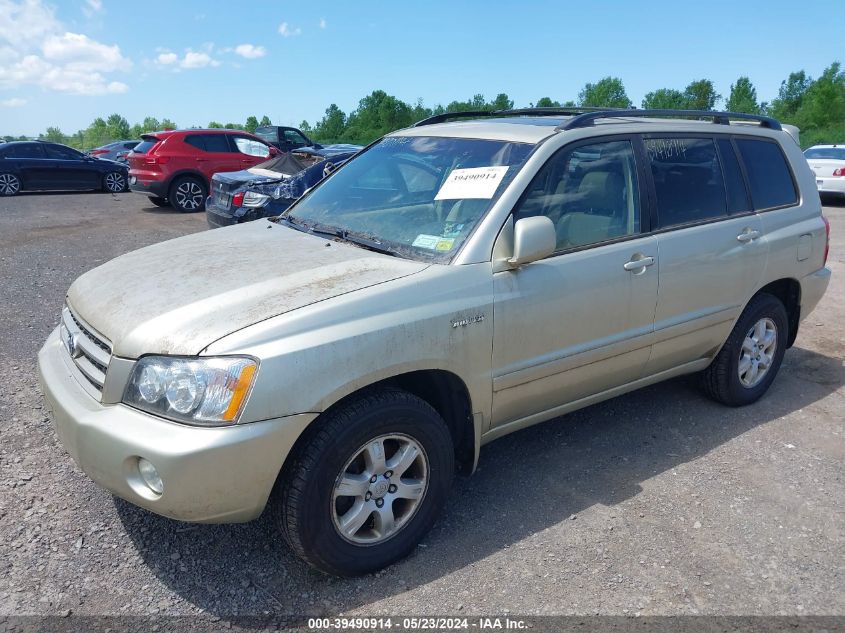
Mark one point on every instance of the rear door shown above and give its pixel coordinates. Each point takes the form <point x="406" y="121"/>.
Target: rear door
<point x="35" y="170"/>
<point x="712" y="251"/>
<point x="216" y="154"/>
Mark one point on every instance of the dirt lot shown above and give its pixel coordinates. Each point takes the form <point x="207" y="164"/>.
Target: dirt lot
<point x="658" y="502"/>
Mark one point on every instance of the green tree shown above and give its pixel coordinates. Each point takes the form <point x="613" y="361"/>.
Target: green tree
<point x="376" y="115"/>
<point x="501" y="102"/>
<point x="167" y="124"/>
<point x="234" y="126"/>
<point x="214" y="125"/>
<point x="117" y="128"/>
<point x="265" y="120"/>
<point x="251" y="124"/>
<point x="305" y="126"/>
<point x="608" y="92"/>
<point x="823" y="104"/>
<point x="97" y="133"/>
<point x="790" y="96"/>
<point x="54" y="135"/>
<point x="701" y="95"/>
<point x="546" y="102"/>
<point x="332" y="126"/>
<point x="665" y="99"/>
<point x="743" y="97"/>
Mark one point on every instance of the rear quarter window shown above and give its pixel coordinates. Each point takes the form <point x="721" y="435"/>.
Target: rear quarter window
<point x="769" y="176"/>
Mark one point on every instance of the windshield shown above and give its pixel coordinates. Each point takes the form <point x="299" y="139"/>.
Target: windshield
<point x="821" y="153"/>
<point x="418" y="197"/>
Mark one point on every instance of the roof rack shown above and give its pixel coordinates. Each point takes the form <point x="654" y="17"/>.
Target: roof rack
<point x="477" y="114"/>
<point x="721" y="118"/>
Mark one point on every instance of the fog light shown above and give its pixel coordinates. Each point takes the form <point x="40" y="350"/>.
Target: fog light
<point x="150" y="476"/>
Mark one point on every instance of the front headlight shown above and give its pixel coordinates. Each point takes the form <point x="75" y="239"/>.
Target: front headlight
<point x="204" y="391"/>
<point x="255" y="200"/>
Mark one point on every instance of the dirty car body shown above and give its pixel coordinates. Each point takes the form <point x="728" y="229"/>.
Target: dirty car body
<point x="452" y="283"/>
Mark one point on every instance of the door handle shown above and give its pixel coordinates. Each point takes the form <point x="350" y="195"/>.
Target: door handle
<point x="639" y="263"/>
<point x="748" y="235"/>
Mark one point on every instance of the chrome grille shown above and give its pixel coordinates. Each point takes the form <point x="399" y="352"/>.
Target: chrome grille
<point x="89" y="351"/>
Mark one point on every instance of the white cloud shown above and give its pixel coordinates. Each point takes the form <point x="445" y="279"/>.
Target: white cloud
<point x="191" y="60"/>
<point x="286" y="31"/>
<point x="52" y="57"/>
<point x="250" y="51"/>
<point x="92" y="6"/>
<point x="15" y="102"/>
<point x="323" y="23"/>
<point x="165" y="59"/>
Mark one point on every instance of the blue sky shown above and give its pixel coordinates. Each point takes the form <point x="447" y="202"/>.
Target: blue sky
<point x="65" y="62"/>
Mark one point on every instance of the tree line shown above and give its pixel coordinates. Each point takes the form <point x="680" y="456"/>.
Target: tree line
<point x="816" y="106"/>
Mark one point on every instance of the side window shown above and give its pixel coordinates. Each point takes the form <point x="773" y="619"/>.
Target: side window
<point x="292" y="136"/>
<point x="687" y="180"/>
<point x="26" y="150"/>
<point x="737" y="196"/>
<point x="195" y="140"/>
<point x="58" y="152"/>
<point x="216" y="142"/>
<point x="768" y="174"/>
<point x="590" y="192"/>
<point x="251" y="147"/>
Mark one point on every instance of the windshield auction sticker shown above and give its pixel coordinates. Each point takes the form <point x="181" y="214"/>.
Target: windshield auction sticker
<point x="475" y="182"/>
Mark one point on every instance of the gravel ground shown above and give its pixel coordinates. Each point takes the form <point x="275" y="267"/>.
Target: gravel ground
<point x="658" y="502"/>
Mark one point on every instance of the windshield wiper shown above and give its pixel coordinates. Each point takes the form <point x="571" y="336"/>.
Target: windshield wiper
<point x="344" y="235"/>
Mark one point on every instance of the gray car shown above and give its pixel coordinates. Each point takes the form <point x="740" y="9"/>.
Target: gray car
<point x="452" y="283"/>
<point x="114" y="151"/>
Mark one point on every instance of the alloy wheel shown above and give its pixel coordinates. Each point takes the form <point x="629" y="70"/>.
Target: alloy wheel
<point x="115" y="182"/>
<point x="379" y="489"/>
<point x="757" y="352"/>
<point x="9" y="184"/>
<point x="189" y="196"/>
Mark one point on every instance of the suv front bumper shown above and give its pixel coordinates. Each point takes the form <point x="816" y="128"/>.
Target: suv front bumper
<point x="210" y="475"/>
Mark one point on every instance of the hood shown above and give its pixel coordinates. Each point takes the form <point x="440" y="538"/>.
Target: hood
<point x="179" y="296"/>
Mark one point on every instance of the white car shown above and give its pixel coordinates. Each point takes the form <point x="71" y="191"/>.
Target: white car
<point x="828" y="163"/>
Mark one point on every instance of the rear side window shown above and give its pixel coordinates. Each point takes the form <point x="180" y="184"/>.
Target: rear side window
<point x="209" y="142"/>
<point x="768" y="174"/>
<point x="687" y="180"/>
<point x="737" y="196"/>
<point x="61" y="153"/>
<point x="145" y="146"/>
<point x="25" y="150"/>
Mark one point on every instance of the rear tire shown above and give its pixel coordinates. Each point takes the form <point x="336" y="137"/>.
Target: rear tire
<point x="10" y="185"/>
<point x="386" y="459"/>
<point x="115" y="182"/>
<point x="159" y="202"/>
<point x="749" y="361"/>
<point x="188" y="194"/>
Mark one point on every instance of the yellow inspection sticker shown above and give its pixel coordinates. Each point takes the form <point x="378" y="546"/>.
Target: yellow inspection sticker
<point x="445" y="244"/>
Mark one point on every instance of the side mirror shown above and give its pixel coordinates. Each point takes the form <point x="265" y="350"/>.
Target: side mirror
<point x="534" y="238"/>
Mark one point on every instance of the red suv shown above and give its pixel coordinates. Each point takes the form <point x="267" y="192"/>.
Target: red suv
<point x="175" y="167"/>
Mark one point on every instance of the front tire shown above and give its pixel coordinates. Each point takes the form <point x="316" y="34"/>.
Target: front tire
<point x="747" y="364"/>
<point x="368" y="483"/>
<point x="188" y="194"/>
<point x="10" y="185"/>
<point x="115" y="182"/>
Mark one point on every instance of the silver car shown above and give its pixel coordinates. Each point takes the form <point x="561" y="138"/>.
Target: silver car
<point x="454" y="282"/>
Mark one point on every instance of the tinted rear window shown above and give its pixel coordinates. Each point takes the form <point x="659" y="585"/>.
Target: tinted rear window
<point x="768" y="174"/>
<point x="145" y="146"/>
<point x="687" y="180"/>
<point x="25" y="150"/>
<point x="734" y="183"/>
<point x="209" y="142"/>
<point x="269" y="134"/>
<point x="826" y="153"/>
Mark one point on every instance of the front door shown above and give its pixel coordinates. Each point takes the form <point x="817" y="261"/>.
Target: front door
<point x="578" y="322"/>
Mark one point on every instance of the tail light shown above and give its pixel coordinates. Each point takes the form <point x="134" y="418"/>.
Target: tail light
<point x="238" y="199"/>
<point x="839" y="172"/>
<point x="97" y="152"/>
<point x="826" y="239"/>
<point x="156" y="160"/>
